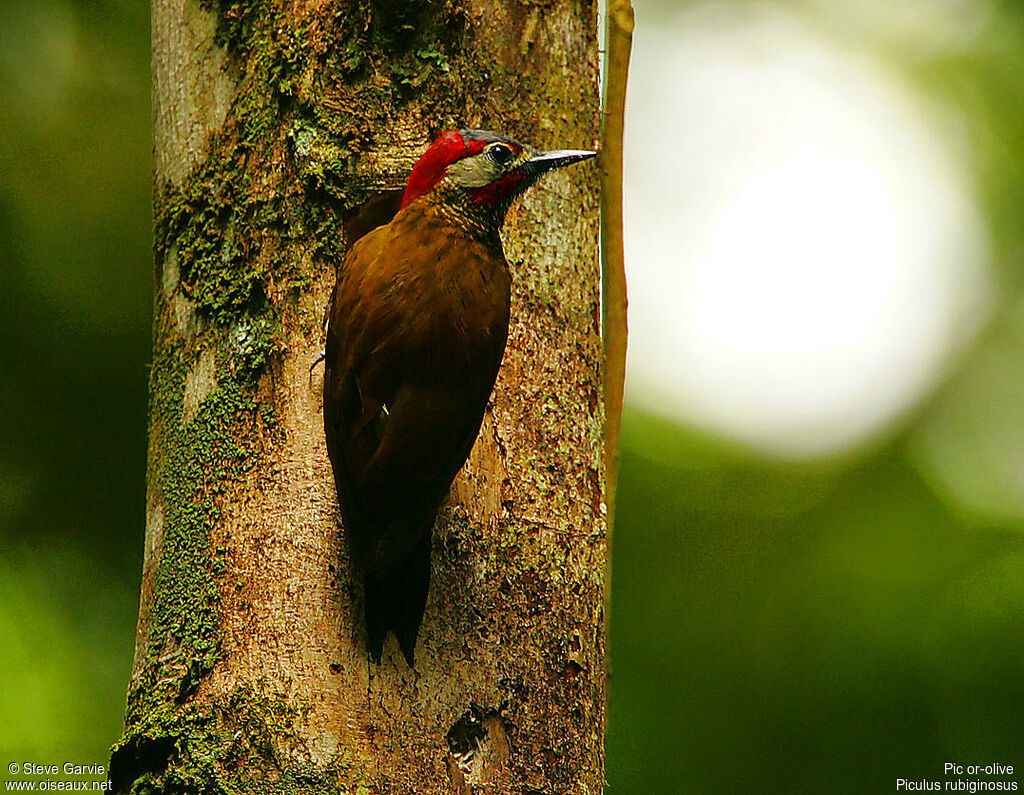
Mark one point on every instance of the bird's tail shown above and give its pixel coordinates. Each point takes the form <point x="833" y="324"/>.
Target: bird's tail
<point x="395" y="600"/>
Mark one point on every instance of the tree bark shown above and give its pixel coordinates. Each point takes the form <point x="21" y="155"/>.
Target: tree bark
<point x="283" y="130"/>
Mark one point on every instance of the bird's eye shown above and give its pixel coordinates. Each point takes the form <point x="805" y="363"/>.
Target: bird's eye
<point x="501" y="154"/>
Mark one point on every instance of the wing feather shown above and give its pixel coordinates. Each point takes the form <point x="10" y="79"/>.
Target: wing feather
<point x="412" y="354"/>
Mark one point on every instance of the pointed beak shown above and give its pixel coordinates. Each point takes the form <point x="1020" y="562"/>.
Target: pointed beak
<point x="546" y="161"/>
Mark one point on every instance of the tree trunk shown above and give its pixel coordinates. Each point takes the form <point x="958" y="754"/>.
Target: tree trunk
<point x="283" y="130"/>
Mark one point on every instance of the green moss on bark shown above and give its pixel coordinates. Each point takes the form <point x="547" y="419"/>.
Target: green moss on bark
<point x="195" y="457"/>
<point x="236" y="746"/>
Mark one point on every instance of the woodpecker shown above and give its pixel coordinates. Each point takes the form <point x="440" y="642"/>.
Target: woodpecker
<point x="416" y="331"/>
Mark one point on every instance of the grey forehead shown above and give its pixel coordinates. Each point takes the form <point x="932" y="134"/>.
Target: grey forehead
<point x="487" y="136"/>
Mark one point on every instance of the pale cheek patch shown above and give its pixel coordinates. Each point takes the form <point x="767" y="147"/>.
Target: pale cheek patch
<point x="473" y="172"/>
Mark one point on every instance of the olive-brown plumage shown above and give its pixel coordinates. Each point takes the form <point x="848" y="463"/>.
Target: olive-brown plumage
<point x="416" y="333"/>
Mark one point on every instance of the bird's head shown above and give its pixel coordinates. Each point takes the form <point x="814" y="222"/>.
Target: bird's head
<point x="482" y="169"/>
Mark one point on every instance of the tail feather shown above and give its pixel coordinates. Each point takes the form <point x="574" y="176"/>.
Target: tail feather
<point x="395" y="601"/>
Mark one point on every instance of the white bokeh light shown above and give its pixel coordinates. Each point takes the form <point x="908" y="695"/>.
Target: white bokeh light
<point x="803" y="252"/>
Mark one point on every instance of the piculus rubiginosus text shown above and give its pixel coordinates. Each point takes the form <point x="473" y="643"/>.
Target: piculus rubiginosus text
<point x="416" y="332"/>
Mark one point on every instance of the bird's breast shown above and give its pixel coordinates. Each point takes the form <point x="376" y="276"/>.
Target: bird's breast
<point x="446" y="293"/>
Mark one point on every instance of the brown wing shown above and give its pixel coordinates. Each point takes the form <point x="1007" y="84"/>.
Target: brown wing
<point x="417" y="332"/>
<point x="415" y="339"/>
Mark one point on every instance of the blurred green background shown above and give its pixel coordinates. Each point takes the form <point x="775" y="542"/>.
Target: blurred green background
<point x="793" y="617"/>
